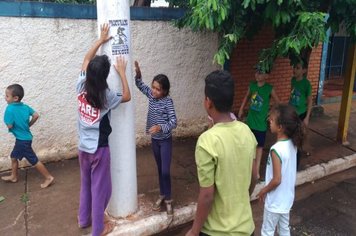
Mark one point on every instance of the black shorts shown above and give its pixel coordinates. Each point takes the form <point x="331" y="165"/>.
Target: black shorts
<point x="23" y="149"/>
<point x="260" y="137"/>
<point x="302" y="116"/>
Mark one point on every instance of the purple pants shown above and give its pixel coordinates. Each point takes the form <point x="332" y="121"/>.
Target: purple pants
<point x="95" y="189"/>
<point x="162" y="150"/>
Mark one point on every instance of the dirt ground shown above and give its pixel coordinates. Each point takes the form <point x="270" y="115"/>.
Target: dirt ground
<point x="29" y="210"/>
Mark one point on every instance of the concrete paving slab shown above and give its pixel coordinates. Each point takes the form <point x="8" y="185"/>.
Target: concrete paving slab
<point x="327" y="124"/>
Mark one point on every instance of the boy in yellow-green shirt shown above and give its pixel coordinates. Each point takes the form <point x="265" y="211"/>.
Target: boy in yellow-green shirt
<point x="225" y="162"/>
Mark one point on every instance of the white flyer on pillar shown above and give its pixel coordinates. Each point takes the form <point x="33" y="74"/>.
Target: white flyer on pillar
<point x="120" y="32"/>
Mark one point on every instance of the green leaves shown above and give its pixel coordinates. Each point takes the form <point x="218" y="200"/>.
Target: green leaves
<point x="253" y="3"/>
<point x="206" y="15"/>
<point x="343" y="11"/>
<point x="246" y="3"/>
<point x="233" y="38"/>
<point x="308" y="31"/>
<point x="299" y="25"/>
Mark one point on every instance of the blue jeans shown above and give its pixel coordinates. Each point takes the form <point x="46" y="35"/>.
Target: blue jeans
<point x="162" y="151"/>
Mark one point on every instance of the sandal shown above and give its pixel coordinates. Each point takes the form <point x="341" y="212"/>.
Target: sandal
<point x="158" y="203"/>
<point x="108" y="228"/>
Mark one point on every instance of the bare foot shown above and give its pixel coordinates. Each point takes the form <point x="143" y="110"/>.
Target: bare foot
<point x="9" y="179"/>
<point x="107" y="218"/>
<point x="47" y="182"/>
<point x="82" y="226"/>
<point x="108" y="228"/>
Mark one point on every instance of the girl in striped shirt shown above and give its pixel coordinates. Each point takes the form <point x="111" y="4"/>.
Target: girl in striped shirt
<point x="161" y="120"/>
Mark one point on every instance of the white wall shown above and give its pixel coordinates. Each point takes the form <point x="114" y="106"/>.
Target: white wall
<point x="45" y="55"/>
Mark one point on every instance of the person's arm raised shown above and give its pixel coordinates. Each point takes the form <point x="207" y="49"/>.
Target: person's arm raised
<point x="120" y="67"/>
<point x="104" y="37"/>
<point x="138" y="71"/>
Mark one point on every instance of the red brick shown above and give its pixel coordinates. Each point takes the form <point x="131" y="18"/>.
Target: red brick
<point x="245" y="56"/>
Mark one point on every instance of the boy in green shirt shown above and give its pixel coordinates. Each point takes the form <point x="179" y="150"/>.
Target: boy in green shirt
<point x="17" y="119"/>
<point x="259" y="93"/>
<point x="224" y="156"/>
<point x="301" y="96"/>
<point x="301" y="92"/>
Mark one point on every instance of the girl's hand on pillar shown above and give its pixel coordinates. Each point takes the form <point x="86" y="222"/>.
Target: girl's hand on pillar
<point x="104" y="33"/>
<point x="120" y="65"/>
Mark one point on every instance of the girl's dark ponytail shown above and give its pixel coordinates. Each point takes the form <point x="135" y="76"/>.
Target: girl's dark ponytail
<point x="293" y="127"/>
<point x="96" y="85"/>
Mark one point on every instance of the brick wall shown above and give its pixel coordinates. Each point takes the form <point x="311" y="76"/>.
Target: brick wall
<point x="245" y="56"/>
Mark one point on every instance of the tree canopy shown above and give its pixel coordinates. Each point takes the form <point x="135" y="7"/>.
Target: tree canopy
<point x="298" y="25"/>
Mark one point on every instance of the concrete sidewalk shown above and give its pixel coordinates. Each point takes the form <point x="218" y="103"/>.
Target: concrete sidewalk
<point x="29" y="210"/>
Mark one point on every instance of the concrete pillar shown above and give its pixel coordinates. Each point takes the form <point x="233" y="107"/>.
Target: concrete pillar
<point x="122" y="139"/>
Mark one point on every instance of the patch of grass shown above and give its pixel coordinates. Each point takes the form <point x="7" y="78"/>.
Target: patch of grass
<point x="24" y="198"/>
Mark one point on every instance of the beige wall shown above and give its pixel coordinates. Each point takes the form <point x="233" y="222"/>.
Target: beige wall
<point x="45" y="55"/>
